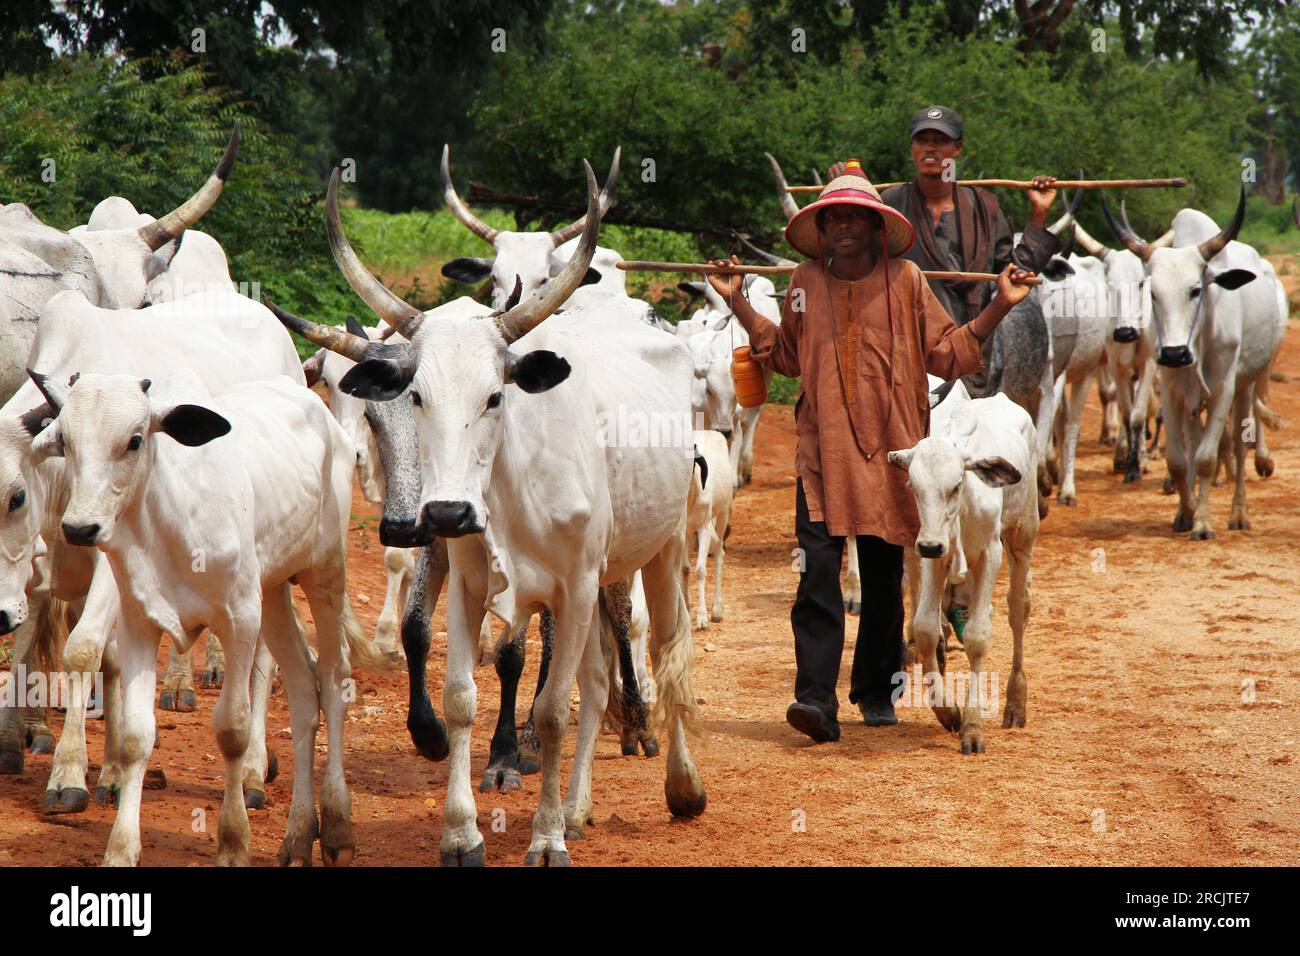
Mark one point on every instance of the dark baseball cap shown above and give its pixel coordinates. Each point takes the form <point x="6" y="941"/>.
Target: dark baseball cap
<point x="937" y="117"/>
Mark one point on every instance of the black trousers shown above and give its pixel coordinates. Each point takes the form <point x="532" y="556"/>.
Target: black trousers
<point x="817" y="617"/>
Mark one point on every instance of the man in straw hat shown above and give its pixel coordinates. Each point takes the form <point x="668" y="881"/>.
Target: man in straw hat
<point x="862" y="327"/>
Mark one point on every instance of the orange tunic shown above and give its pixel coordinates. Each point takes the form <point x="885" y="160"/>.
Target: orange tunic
<point x="864" y="391"/>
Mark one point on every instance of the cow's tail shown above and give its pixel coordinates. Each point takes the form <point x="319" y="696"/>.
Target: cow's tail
<point x="363" y="652"/>
<point x="51" y="634"/>
<point x="675" y="700"/>
<point x="1270" y="419"/>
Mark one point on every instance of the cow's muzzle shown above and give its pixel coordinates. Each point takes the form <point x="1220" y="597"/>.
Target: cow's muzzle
<point x="1126" y="334"/>
<point x="403" y="533"/>
<point x="83" y="535"/>
<point x="928" y="550"/>
<point x="1175" y="356"/>
<point x="451" y="519"/>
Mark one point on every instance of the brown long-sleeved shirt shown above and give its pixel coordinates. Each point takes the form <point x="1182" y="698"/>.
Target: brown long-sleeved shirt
<point x="864" y="388"/>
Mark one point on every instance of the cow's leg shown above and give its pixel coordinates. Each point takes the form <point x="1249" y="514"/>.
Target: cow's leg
<point x="927" y="628"/>
<point x="912" y="582"/>
<point x="976" y="640"/>
<point x="1124" y="449"/>
<point x="66" y="790"/>
<point x="232" y="720"/>
<point x="715" y="613"/>
<point x="701" y="576"/>
<point x="751" y="417"/>
<point x="11" y="718"/>
<point x="1056" y="438"/>
<point x="1206" y="444"/>
<point x="1243" y="406"/>
<point x="574" y="625"/>
<point x="1265" y="418"/>
<point x="623" y="621"/>
<point x="672" y="653"/>
<point x="1073" y="420"/>
<point x="502" y="773"/>
<point x="257" y="770"/>
<point x="1044" y="417"/>
<point x="178" y="683"/>
<point x="1139" y="455"/>
<point x="530" y="746"/>
<point x="42" y="655"/>
<point x="428" y="732"/>
<point x="108" y="787"/>
<point x="852" y="579"/>
<point x="1019" y="603"/>
<point x="137" y="646"/>
<point x="287" y="645"/>
<point x="639" y="629"/>
<point x="214" y="663"/>
<point x="461" y="844"/>
<point x="326" y="590"/>
<point x="593" y="694"/>
<point x="1110" y="381"/>
<point x="1176" y="447"/>
<point x="398" y="562"/>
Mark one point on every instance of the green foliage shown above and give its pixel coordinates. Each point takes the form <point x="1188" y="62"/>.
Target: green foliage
<point x="783" y="390"/>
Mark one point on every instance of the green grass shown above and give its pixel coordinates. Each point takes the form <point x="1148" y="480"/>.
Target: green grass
<point x="1270" y="229"/>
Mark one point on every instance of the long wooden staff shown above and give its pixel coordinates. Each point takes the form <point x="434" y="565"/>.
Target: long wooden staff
<point x="708" y="267"/>
<point x="1026" y="184"/>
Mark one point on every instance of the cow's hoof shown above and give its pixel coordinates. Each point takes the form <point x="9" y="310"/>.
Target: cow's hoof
<point x="105" y="796"/>
<point x="337" y="855"/>
<point x="1167" y="486"/>
<point x="1182" y="522"/>
<point x="547" y="857"/>
<point x="430" y="739"/>
<point x="155" y="779"/>
<point x="1132" y="475"/>
<point x="182" y="701"/>
<point x="272" y="767"/>
<point x="11" y="762"/>
<point x="972" y="742"/>
<point x="628" y="747"/>
<point x="1202" y="534"/>
<point x="472" y="857"/>
<point x="1239" y="523"/>
<point x="211" y="678"/>
<point x="1042" y="508"/>
<point x="1068" y="500"/>
<point x="1013" y="717"/>
<point x="255" y="799"/>
<point x="501" y="780"/>
<point x="701" y="623"/>
<point x="67" y="800"/>
<point x="1263" y="467"/>
<point x="949" y="718"/>
<point x="855" y="607"/>
<point x="685" y="803"/>
<point x="650" y="746"/>
<point x="43" y="742"/>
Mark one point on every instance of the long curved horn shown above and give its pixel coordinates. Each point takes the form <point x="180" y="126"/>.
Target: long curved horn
<point x="326" y="336"/>
<point x="472" y="222"/>
<point x="162" y="231"/>
<point x="403" y="316"/>
<point x="1164" y="241"/>
<point x="759" y="254"/>
<point x="817" y="177"/>
<point x="788" y="206"/>
<point x="1089" y="244"/>
<point x="1125" y="234"/>
<point x="526" y="316"/>
<point x="1212" y="247"/>
<point x="561" y="236"/>
<point x="1067" y="217"/>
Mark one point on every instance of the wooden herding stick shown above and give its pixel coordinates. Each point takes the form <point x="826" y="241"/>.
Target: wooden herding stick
<point x="708" y="267"/>
<point x="1178" y="183"/>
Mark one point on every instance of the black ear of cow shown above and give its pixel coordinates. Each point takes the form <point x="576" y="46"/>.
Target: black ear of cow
<point x="692" y="289"/>
<point x="1234" y="278"/>
<point x="537" y="371"/>
<point x="1057" y="269"/>
<point x="468" y="269"/>
<point x="194" y="425"/>
<point x="704" y="468"/>
<point x="355" y="327"/>
<point x="591" y="278"/>
<point x="35" y="420"/>
<point x="940" y="392"/>
<point x="377" y="380"/>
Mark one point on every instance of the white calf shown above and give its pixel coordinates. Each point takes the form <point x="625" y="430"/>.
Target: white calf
<point x="993" y="438"/>
<point x="708" y="514"/>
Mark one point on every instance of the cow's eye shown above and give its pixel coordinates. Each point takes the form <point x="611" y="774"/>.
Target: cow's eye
<point x="1194" y="292"/>
<point x="494" y="400"/>
<point x="18" y="500"/>
<point x="957" y="488"/>
<point x="135" y="442"/>
<point x="417" y="400"/>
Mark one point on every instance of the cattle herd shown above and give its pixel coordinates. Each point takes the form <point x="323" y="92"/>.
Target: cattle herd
<point x="167" y="470"/>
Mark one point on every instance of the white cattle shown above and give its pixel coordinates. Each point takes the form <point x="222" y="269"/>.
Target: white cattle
<point x="224" y="338"/>
<point x="543" y="501"/>
<point x="1219" y="312"/>
<point x="708" y="517"/>
<point x="1130" y="350"/>
<point x="973" y="522"/>
<point x="609" y="293"/>
<point x="268" y="506"/>
<point x="522" y="261"/>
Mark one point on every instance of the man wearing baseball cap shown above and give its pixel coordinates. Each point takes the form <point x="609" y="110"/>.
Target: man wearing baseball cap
<point x="861" y="327"/>
<point x="962" y="229"/>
